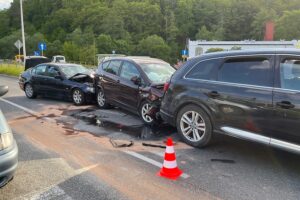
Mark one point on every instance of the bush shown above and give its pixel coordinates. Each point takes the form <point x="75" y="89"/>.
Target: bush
<point x="11" y="69"/>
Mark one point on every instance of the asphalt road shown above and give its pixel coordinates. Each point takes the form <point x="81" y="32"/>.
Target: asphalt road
<point x="65" y="153"/>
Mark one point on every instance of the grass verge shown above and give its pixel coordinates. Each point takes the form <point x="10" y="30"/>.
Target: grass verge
<point x="11" y="69"/>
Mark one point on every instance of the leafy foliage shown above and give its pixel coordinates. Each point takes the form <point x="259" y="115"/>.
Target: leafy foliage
<point x="79" y="29"/>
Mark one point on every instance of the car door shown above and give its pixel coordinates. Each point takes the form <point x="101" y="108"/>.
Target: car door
<point x="110" y="80"/>
<point x="129" y="91"/>
<point x="55" y="86"/>
<point x="38" y="79"/>
<point x="286" y="118"/>
<point x="244" y="97"/>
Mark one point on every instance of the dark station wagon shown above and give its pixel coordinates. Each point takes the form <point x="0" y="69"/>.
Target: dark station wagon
<point x="253" y="95"/>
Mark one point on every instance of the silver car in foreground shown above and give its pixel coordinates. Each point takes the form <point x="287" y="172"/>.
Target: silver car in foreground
<point x="8" y="148"/>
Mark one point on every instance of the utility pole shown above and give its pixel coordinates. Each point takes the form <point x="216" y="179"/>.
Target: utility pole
<point x="22" y="27"/>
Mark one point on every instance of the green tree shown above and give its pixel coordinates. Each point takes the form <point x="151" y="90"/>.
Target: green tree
<point x="154" y="46"/>
<point x="105" y="44"/>
<point x="288" y="25"/>
<point x="71" y="51"/>
<point x="204" y="34"/>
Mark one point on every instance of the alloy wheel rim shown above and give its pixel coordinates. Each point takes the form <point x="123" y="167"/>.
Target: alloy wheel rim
<point x="77" y="96"/>
<point x="145" y="109"/>
<point x="29" y="90"/>
<point x="101" y="99"/>
<point x="192" y="126"/>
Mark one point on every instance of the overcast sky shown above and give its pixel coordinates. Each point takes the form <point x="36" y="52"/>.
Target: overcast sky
<point x="5" y="4"/>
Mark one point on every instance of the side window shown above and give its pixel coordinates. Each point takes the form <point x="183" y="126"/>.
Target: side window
<point x="113" y="67"/>
<point x="104" y="65"/>
<point x="290" y="73"/>
<point x="52" y="71"/>
<point x="205" y="70"/>
<point x="41" y="70"/>
<point x="129" y="71"/>
<point x="253" y="71"/>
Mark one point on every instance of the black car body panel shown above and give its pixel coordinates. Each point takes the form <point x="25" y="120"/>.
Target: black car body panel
<point x="58" y="87"/>
<point x="258" y="109"/>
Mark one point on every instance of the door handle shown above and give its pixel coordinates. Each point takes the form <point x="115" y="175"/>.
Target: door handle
<point x="285" y="104"/>
<point x="213" y="94"/>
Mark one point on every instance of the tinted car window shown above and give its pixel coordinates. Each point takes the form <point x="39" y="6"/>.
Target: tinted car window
<point x="129" y="70"/>
<point x="41" y="70"/>
<point x="204" y="70"/>
<point x="253" y="71"/>
<point x="104" y="65"/>
<point x="52" y="71"/>
<point x="290" y="73"/>
<point x="113" y="67"/>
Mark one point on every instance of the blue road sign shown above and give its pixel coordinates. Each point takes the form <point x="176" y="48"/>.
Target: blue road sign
<point x="42" y="46"/>
<point x="36" y="53"/>
<point x="184" y="52"/>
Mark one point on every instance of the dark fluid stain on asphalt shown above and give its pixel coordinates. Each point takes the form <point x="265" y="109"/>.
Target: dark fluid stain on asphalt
<point x="223" y="161"/>
<point x="155" y="132"/>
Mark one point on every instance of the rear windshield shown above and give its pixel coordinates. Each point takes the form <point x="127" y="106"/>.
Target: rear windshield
<point x="157" y="72"/>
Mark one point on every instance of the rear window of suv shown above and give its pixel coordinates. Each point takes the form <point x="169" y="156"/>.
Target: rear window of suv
<point x="205" y="70"/>
<point x="252" y="71"/>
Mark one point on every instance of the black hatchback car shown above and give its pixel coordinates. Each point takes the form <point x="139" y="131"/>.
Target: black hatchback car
<point x="57" y="80"/>
<point x="253" y="95"/>
<point x="127" y="82"/>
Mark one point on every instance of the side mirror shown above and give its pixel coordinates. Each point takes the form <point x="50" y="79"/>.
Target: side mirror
<point x="136" y="80"/>
<point x="3" y="90"/>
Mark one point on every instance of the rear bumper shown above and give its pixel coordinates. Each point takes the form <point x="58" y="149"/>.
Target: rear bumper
<point x="167" y="117"/>
<point x="8" y="163"/>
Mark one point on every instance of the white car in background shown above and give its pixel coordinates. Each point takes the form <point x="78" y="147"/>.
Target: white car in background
<point x="59" y="59"/>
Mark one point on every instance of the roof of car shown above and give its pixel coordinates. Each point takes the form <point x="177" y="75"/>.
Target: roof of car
<point x="61" y="64"/>
<point x="250" y="52"/>
<point x="139" y="59"/>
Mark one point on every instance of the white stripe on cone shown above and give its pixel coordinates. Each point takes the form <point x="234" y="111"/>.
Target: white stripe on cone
<point x="170" y="149"/>
<point x="170" y="164"/>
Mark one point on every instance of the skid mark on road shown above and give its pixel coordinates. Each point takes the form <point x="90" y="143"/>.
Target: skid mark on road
<point x="151" y="161"/>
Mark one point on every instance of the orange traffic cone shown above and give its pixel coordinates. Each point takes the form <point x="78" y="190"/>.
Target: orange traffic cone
<point x="170" y="169"/>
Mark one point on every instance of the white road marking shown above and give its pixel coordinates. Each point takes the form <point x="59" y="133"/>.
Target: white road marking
<point x="29" y="111"/>
<point x="151" y="161"/>
<point x="51" y="193"/>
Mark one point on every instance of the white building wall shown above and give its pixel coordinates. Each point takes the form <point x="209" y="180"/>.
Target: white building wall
<point x="200" y="47"/>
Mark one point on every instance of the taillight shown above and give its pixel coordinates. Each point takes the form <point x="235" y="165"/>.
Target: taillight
<point x="166" y="86"/>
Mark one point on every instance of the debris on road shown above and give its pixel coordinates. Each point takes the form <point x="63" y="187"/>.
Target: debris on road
<point x="223" y="161"/>
<point x="120" y="143"/>
<point x="153" y="145"/>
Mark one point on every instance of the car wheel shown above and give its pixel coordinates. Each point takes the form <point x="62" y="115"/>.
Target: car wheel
<point x="78" y="97"/>
<point x="29" y="91"/>
<point x="194" y="126"/>
<point x="144" y="109"/>
<point x="101" y="100"/>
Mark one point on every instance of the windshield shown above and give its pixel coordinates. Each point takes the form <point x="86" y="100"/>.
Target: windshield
<point x="157" y="72"/>
<point x="71" y="70"/>
<point x="60" y="58"/>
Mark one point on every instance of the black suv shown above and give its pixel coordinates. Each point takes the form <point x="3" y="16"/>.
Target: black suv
<point x="253" y="95"/>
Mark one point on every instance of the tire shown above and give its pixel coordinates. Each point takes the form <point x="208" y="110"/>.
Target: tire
<point x="195" y="131"/>
<point x="29" y="92"/>
<point x="143" y="109"/>
<point x="101" y="99"/>
<point x="78" y="97"/>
